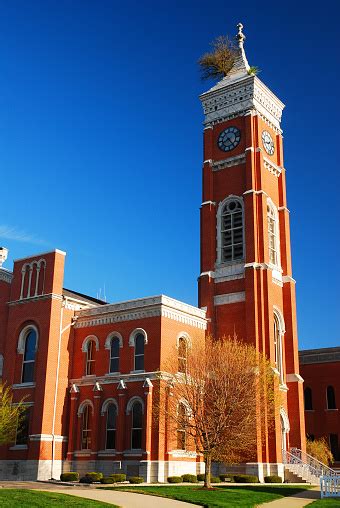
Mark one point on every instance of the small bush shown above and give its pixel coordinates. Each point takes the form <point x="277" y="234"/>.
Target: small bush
<point x="95" y="477"/>
<point x="69" y="477"/>
<point x="119" y="477"/>
<point x="272" y="479"/>
<point x="246" y="478"/>
<point x="174" y="479"/>
<point x="200" y="477"/>
<point x="215" y="479"/>
<point x="136" y="479"/>
<point x="227" y="477"/>
<point x="107" y="480"/>
<point x="85" y="479"/>
<point x="189" y="478"/>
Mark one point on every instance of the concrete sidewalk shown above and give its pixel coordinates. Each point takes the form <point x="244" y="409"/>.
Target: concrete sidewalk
<point x="297" y="500"/>
<point x="123" y="499"/>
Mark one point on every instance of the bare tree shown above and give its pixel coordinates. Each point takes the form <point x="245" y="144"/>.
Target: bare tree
<point x="320" y="450"/>
<point x="11" y="415"/>
<point x="217" y="63"/>
<point x="220" y="401"/>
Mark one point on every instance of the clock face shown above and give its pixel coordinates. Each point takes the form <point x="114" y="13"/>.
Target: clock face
<point x="268" y="142"/>
<point x="229" y="139"/>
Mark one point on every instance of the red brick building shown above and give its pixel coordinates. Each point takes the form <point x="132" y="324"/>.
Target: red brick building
<point x="90" y="370"/>
<point x="320" y="369"/>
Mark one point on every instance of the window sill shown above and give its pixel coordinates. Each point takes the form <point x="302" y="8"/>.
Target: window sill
<point x="19" y="447"/>
<point x="112" y="374"/>
<point x="335" y="409"/>
<point x="137" y="371"/>
<point x="17" y="386"/>
<point x="89" y="376"/>
<point x="310" y="410"/>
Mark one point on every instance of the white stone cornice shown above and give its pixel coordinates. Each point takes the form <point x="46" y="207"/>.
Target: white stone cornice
<point x="229" y="162"/>
<point x="288" y="278"/>
<point x="272" y="167"/>
<point x="48" y="296"/>
<point x="6" y="275"/>
<point x="229" y="298"/>
<point x="212" y="203"/>
<point x="236" y="97"/>
<point x="157" y="306"/>
<point x="283" y="209"/>
<point x="256" y="192"/>
<point x="294" y="378"/>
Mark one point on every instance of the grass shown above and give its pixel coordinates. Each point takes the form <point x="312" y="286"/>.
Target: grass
<point x="228" y="497"/>
<point x="25" y="498"/>
<point x="333" y="503"/>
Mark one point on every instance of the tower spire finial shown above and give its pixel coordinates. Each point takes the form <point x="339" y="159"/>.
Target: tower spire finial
<point x="240" y="37"/>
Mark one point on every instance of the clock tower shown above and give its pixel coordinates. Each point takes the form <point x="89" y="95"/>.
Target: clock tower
<point x="246" y="283"/>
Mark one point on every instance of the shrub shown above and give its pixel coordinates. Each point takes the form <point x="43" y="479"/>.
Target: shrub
<point x="136" y="479"/>
<point x="107" y="480"/>
<point x="319" y="449"/>
<point x="118" y="477"/>
<point x="69" y="477"/>
<point x="200" y="477"/>
<point x="189" y="478"/>
<point x="174" y="479"/>
<point x="95" y="477"/>
<point x="227" y="477"/>
<point x="215" y="479"/>
<point x="246" y="478"/>
<point x="85" y="479"/>
<point x="272" y="479"/>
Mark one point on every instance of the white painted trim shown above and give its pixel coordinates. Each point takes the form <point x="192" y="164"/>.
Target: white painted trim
<point x="106" y="403"/>
<point x="87" y="340"/>
<point x="213" y="203"/>
<point x="131" y="402"/>
<point x="186" y="337"/>
<point x="134" y="334"/>
<point x="40" y="254"/>
<point x="288" y="278"/>
<point x="229" y="298"/>
<point x="294" y="378"/>
<point x="82" y="405"/>
<point x="110" y="337"/>
<point x="22" y="338"/>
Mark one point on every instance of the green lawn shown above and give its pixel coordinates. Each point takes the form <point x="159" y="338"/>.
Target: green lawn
<point x="332" y="502"/>
<point x="229" y="496"/>
<point x="25" y="498"/>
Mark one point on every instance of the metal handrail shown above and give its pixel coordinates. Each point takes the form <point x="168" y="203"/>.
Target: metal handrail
<point x="315" y="463"/>
<point x="307" y="466"/>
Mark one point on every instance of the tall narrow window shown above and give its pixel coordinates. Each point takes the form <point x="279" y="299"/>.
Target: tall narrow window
<point x="182" y="355"/>
<point x="29" y="356"/>
<point x="232" y="231"/>
<point x="137" y="426"/>
<point x="23" y="428"/>
<point x="90" y="358"/>
<point x="278" y="347"/>
<point x="86" y="428"/>
<point x="308" y="399"/>
<point x="139" y="351"/>
<point x="334" y="445"/>
<point x="114" y="355"/>
<point x="273" y="238"/>
<point x="331" y="404"/>
<point x="181" y="427"/>
<point x="111" y="422"/>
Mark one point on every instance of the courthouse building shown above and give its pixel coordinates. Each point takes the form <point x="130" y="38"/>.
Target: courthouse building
<point x="90" y="371"/>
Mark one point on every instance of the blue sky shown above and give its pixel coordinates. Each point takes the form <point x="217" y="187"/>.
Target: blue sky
<point x="101" y="140"/>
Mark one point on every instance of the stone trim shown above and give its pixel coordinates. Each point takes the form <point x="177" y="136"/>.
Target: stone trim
<point x="6" y="275"/>
<point x="229" y="298"/>
<point x="322" y="355"/>
<point x="229" y="162"/>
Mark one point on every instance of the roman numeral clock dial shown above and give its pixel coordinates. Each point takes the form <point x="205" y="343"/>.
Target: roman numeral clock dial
<point x="268" y="143"/>
<point x="229" y="139"/>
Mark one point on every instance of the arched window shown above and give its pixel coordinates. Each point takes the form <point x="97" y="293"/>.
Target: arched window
<point x="137" y="425"/>
<point x="139" y="351"/>
<point x="28" y="363"/>
<point x="278" y="332"/>
<point x="273" y="234"/>
<point x="114" y="354"/>
<point x="111" y="423"/>
<point x="308" y="399"/>
<point x="90" y="358"/>
<point x="86" y="430"/>
<point x="182" y="354"/>
<point x="181" y="427"/>
<point x="231" y="231"/>
<point x="331" y="404"/>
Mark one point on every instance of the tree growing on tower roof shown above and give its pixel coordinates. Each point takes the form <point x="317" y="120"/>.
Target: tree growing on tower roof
<point x="220" y="399"/>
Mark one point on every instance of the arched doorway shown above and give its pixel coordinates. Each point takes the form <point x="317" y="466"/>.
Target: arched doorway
<point x="285" y="428"/>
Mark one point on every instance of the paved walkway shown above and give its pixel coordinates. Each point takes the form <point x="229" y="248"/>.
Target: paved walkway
<point x="297" y="500"/>
<point x="122" y="499"/>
